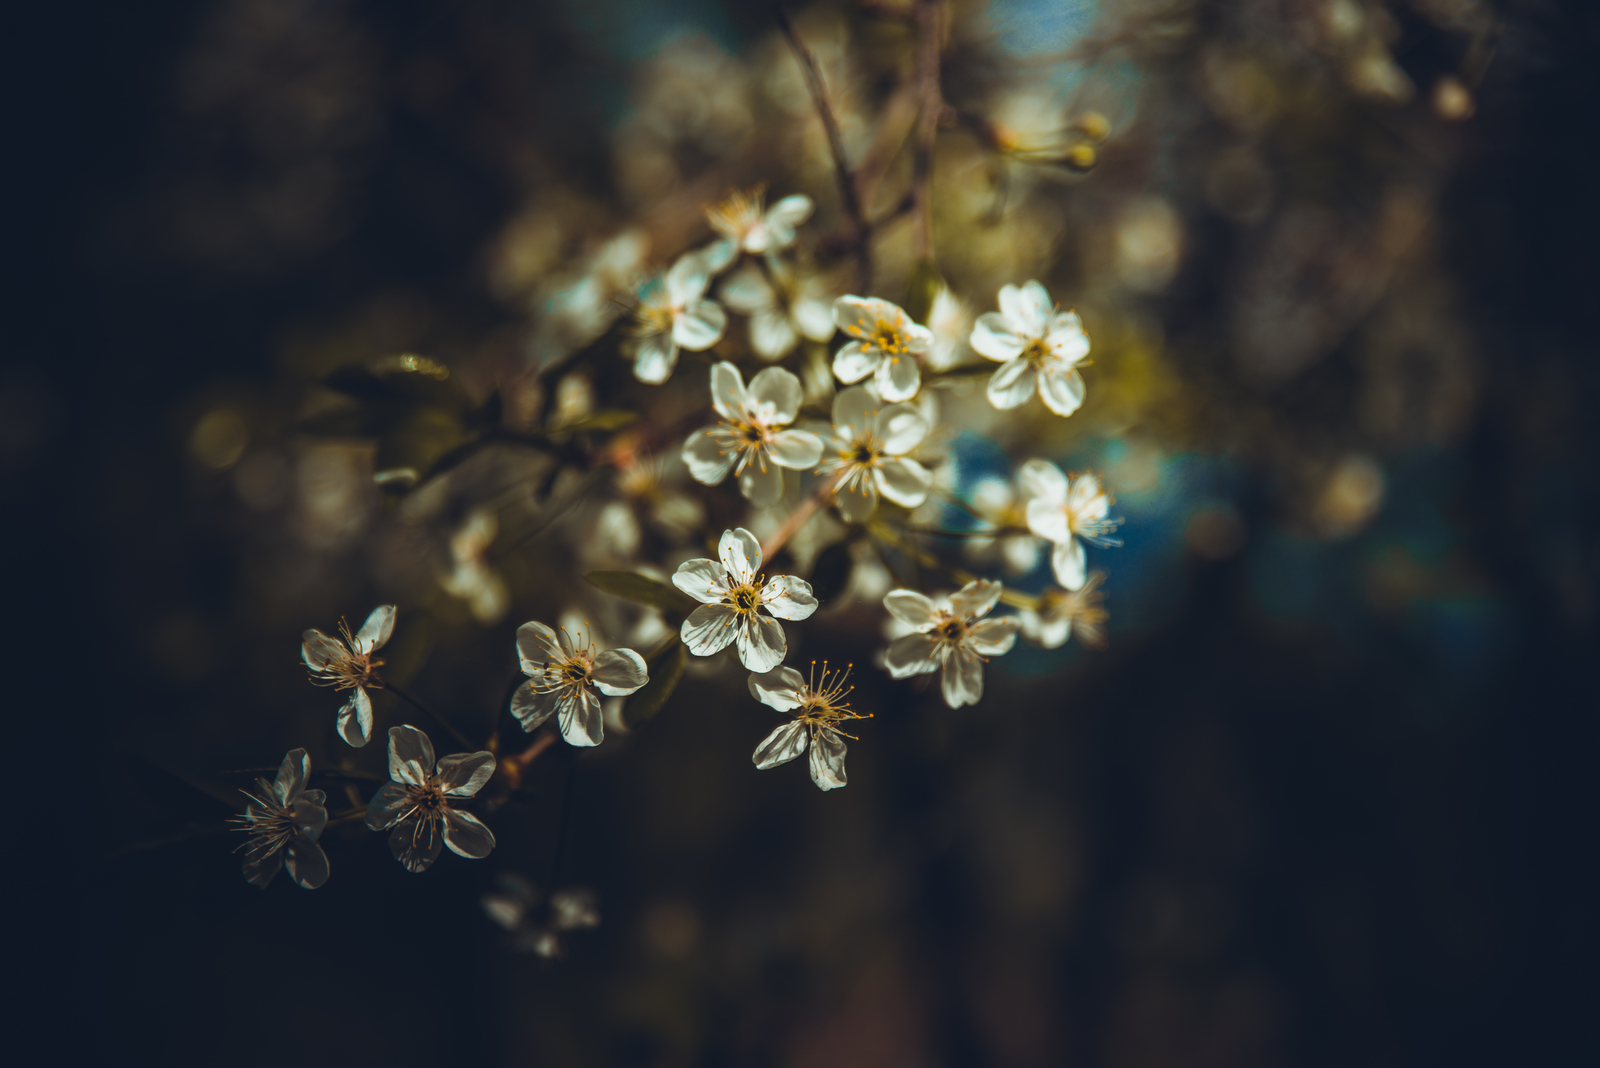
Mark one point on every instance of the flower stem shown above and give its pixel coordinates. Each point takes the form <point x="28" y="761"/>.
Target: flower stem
<point x="430" y="713"/>
<point x="797" y="519"/>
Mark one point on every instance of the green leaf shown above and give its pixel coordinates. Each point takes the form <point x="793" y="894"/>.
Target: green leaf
<point x="666" y="668"/>
<point x="604" y="419"/>
<point x="632" y="586"/>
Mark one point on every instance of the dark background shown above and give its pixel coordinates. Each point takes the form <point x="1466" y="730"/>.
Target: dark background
<point x="1294" y="849"/>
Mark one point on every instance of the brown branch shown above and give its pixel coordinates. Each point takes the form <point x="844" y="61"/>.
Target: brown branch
<point x="929" y="106"/>
<point x="797" y="519"/>
<point x="848" y="194"/>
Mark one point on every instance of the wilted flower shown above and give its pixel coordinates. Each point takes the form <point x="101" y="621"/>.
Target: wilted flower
<point x="1068" y="512"/>
<point x="745" y="227"/>
<point x="536" y="925"/>
<point x="1032" y="340"/>
<point x="471" y="578"/>
<point x="284" y="821"/>
<point x="1063" y="613"/>
<point x="672" y="314"/>
<point x="818" y="705"/>
<point x="564" y="672"/>
<point x="348" y="664"/>
<point x="420" y="803"/>
<point x="870" y="440"/>
<point x="887" y="344"/>
<point x="748" y="440"/>
<point x="732" y="596"/>
<point x="951" y="634"/>
<point x="779" y="315"/>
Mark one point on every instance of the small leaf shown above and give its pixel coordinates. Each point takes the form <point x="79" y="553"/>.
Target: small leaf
<point x="632" y="586"/>
<point x="604" y="419"/>
<point x="666" y="668"/>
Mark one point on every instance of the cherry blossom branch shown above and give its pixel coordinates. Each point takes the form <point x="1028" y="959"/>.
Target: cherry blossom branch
<point x="929" y="105"/>
<point x="430" y="713"/>
<point x="848" y="194"/>
<point x="797" y="518"/>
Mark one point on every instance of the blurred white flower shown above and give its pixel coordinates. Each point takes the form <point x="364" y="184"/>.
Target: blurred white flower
<point x="419" y="804"/>
<point x="1063" y="613"/>
<point x="1002" y="508"/>
<point x="1032" y="341"/>
<point x="869" y="443"/>
<point x="887" y="344"/>
<point x="779" y="316"/>
<point x="818" y="706"/>
<point x="1068" y="512"/>
<point x="950" y="320"/>
<point x="348" y="664"/>
<point x="949" y="634"/>
<point x="284" y="821"/>
<point x="672" y="314"/>
<point x="566" y="673"/>
<point x="537" y="925"/>
<point x="470" y="577"/>
<point x="732" y="594"/>
<point x="747" y="228"/>
<point x="748" y="441"/>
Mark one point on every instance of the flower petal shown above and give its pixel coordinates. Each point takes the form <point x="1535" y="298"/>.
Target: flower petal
<point x="1070" y="564"/>
<point x="827" y="760"/>
<point x="1011" y="385"/>
<point x="747" y="291"/>
<point x="318" y="650"/>
<point x="260" y="868"/>
<point x="772" y="335"/>
<point x="859" y="316"/>
<point x="537" y="645"/>
<point x="993" y="637"/>
<point x="911" y="608"/>
<point x="762" y="643"/>
<point x="1027" y="309"/>
<point x="905" y="482"/>
<point x="857" y="502"/>
<point x="777" y="226"/>
<point x="853" y="362"/>
<point x="1049" y="520"/>
<point x="463" y="774"/>
<point x="709" y="629"/>
<point x="1086" y="499"/>
<point x="727" y="390"/>
<point x="740" y="554"/>
<point x="782" y="688"/>
<point x="991" y="337"/>
<point x="416" y="843"/>
<point x="388" y="806"/>
<point x="619" y="672"/>
<point x="411" y="759"/>
<point x="898" y="378"/>
<point x="814" y="318"/>
<point x="854" y="410"/>
<point x="1049" y="630"/>
<point x="355" y="718"/>
<point x="654" y="358"/>
<point x="798" y="450"/>
<point x="706" y="458"/>
<point x="687" y="278"/>
<point x="900" y="427"/>
<point x="704" y="580"/>
<point x="376" y="630"/>
<point x="1044" y="480"/>
<point x="788" y="597"/>
<point x="781" y="746"/>
<point x="292" y="775"/>
<point x="976" y="598"/>
<point x="308" y="864"/>
<point x="580" y="720"/>
<point x="962" y="681"/>
<point x="1061" y="391"/>
<point x="910" y="655"/>
<point x="778" y="394"/>
<point x="309" y="815"/>
<point x="699" y="325"/>
<point x="466" y="835"/>
<point x="532" y="707"/>
<point x="1066" y="339"/>
<point x="761" y="484"/>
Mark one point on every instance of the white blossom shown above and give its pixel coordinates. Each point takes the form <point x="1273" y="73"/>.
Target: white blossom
<point x="747" y="228"/>
<point x="950" y="634"/>
<point x="1003" y="509"/>
<point x="750" y="440"/>
<point x="1034" y="344"/>
<point x="732" y="596"/>
<point x="819" y="706"/>
<point x="869" y="443"/>
<point x="887" y="344"/>
<point x="535" y="924"/>
<point x="284" y="821"/>
<point x="1063" y="613"/>
<point x="347" y="663"/>
<point x="566" y="673"/>
<point x="1068" y="512"/>
<point x="674" y="313"/>
<point x="471" y="578"/>
<point x="420" y="803"/>
<point x="781" y="315"/>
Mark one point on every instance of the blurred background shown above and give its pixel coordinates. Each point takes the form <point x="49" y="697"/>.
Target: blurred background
<point x="1325" y="799"/>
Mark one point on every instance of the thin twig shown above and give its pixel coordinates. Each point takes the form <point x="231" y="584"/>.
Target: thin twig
<point x="848" y="194"/>
<point x="930" y="103"/>
<point x="797" y="519"/>
<point x="430" y="713"/>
